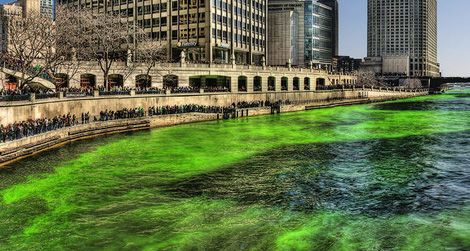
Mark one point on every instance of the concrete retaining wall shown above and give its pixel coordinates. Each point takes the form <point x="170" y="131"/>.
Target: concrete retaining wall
<point x="11" y="112"/>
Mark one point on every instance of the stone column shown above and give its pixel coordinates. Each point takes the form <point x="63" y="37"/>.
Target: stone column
<point x="249" y="83"/>
<point x="278" y="83"/>
<point x="183" y="81"/>
<point x="290" y="84"/>
<point x="264" y="83"/>
<point x="157" y="81"/>
<point x="234" y="84"/>
<point x="130" y="81"/>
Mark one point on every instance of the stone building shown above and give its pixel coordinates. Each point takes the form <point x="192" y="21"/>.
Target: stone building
<point x="404" y="33"/>
<point x="302" y="32"/>
<point x="345" y="64"/>
<point x="7" y="13"/>
<point x="209" y="31"/>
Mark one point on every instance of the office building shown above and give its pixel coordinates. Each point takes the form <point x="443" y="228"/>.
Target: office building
<point x="302" y="32"/>
<point x="403" y="35"/>
<point x="346" y="64"/>
<point x="8" y="12"/>
<point x="210" y="31"/>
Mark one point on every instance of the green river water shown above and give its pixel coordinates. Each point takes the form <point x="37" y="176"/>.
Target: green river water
<point x="385" y="176"/>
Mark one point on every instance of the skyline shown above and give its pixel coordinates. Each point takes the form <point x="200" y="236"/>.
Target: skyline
<point x="453" y="53"/>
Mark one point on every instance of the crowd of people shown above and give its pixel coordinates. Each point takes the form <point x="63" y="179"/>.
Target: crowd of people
<point x="77" y="92"/>
<point x="125" y="113"/>
<point x="185" y="89"/>
<point x="31" y="127"/>
<point x="149" y="90"/>
<point x="115" y="90"/>
<point x="252" y="104"/>
<point x="345" y="86"/>
<point x="216" y="89"/>
<point x="176" y="109"/>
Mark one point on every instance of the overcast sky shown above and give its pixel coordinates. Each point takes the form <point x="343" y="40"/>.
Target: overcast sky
<point x="454" y="33"/>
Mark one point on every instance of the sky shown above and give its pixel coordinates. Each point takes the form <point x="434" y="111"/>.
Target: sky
<point x="453" y="33"/>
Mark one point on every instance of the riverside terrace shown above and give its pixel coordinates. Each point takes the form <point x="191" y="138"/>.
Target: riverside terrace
<point x="235" y="78"/>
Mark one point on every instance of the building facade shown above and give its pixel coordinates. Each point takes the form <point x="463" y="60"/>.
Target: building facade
<point x="8" y="12"/>
<point x="209" y="31"/>
<point x="302" y="32"/>
<point x="346" y="64"/>
<point x="404" y="32"/>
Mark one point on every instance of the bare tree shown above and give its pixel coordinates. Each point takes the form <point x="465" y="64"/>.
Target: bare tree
<point x="368" y="78"/>
<point x="105" y="38"/>
<point x="150" y="53"/>
<point x="64" y="58"/>
<point x="411" y="83"/>
<point x="30" y="46"/>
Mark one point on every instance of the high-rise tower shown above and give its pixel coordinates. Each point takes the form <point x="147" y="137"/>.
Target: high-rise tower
<point x="303" y="32"/>
<point x="404" y="34"/>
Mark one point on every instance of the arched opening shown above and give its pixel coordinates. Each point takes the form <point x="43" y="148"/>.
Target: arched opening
<point x="210" y="83"/>
<point x="242" y="83"/>
<point x="307" y="84"/>
<point x="296" y="84"/>
<point x="87" y="81"/>
<point x="284" y="83"/>
<point x="61" y="80"/>
<point x="320" y="82"/>
<point x="115" y="80"/>
<point x="170" y="81"/>
<point x="143" y="81"/>
<point x="11" y="83"/>
<point x="257" y="84"/>
<point x="271" y="83"/>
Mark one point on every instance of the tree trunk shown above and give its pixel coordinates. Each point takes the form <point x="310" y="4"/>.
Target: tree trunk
<point x="105" y="83"/>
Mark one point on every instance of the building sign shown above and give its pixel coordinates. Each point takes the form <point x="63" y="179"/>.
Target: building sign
<point x="187" y="44"/>
<point x="223" y="45"/>
<point x="281" y="7"/>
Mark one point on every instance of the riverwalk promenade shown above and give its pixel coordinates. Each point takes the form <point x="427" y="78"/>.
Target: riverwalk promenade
<point x="290" y="102"/>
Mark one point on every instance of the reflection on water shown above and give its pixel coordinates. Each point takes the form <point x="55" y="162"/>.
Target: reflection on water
<point x="389" y="176"/>
<point x="395" y="176"/>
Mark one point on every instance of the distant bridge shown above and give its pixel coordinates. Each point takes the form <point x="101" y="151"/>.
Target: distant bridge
<point x="440" y="84"/>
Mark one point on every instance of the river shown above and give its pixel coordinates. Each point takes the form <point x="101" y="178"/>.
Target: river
<point x="385" y="176"/>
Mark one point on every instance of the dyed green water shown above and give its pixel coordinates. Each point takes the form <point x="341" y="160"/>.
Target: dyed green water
<point x="368" y="177"/>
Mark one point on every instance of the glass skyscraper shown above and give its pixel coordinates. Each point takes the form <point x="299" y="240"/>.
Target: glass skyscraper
<point x="302" y="32"/>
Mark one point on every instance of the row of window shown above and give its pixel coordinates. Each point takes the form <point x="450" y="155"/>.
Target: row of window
<point x="224" y="35"/>
<point x="220" y="4"/>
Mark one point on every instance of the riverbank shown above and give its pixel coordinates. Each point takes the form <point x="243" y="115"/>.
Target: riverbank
<point x="18" y="149"/>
